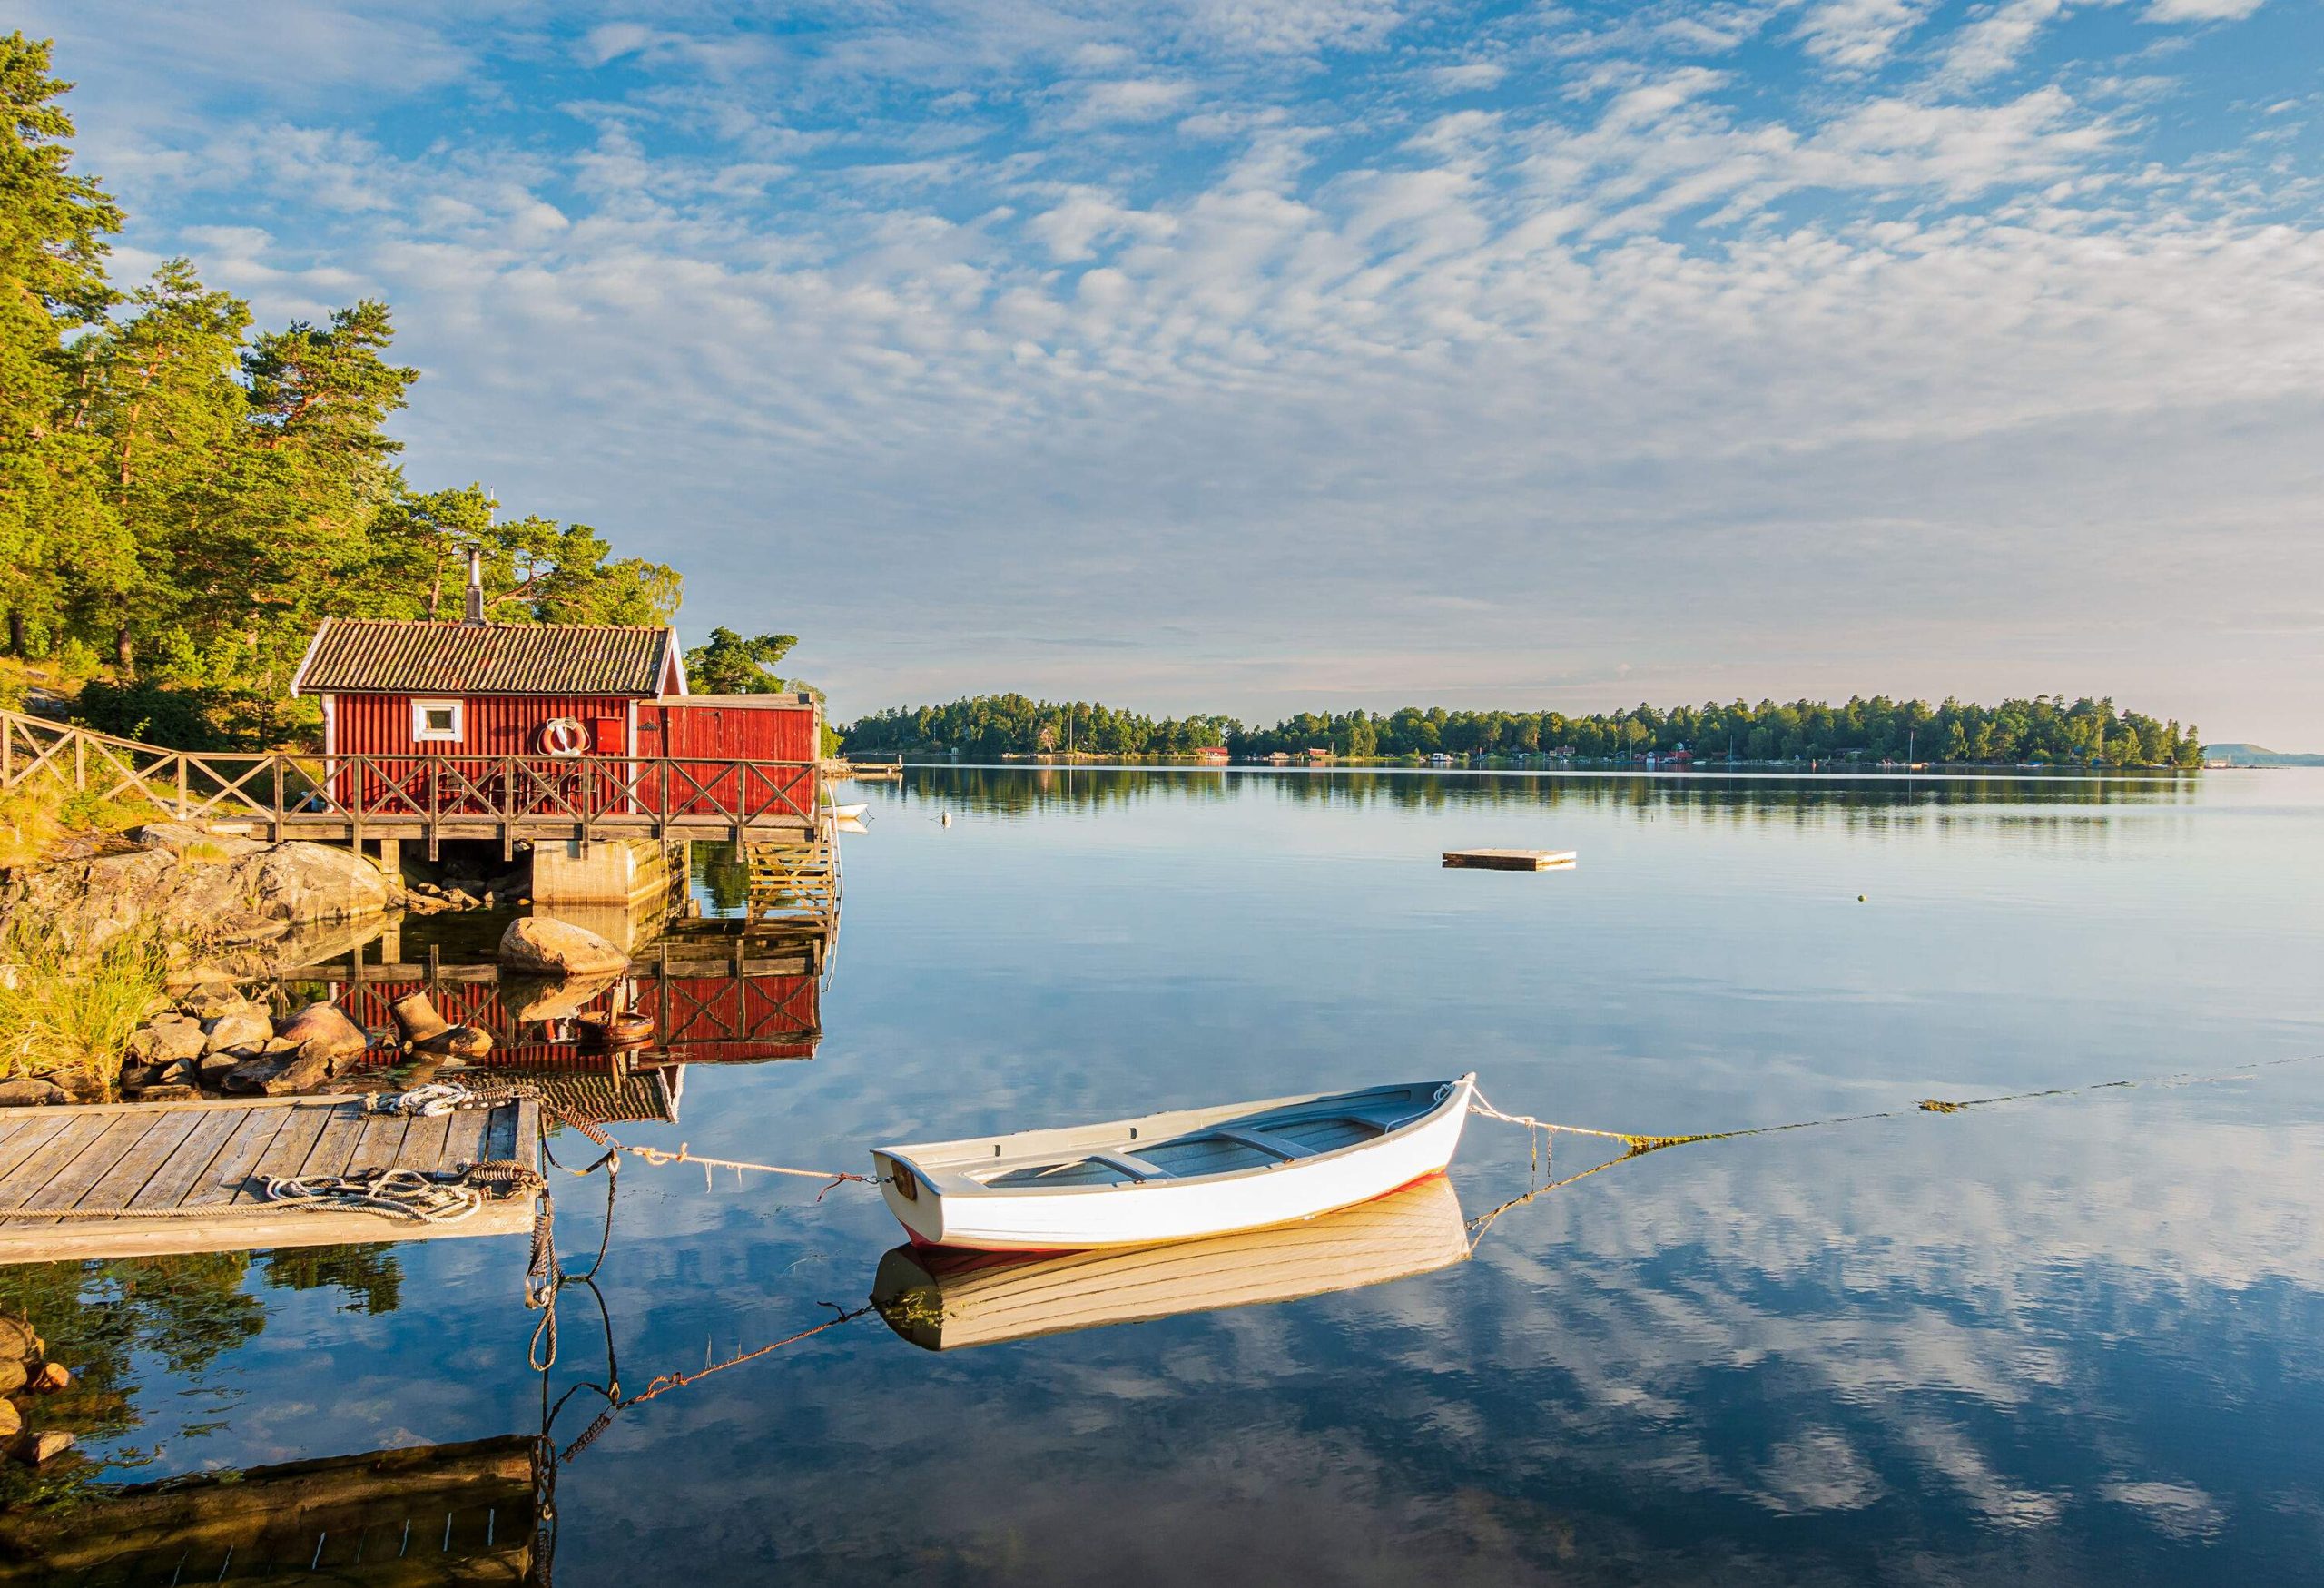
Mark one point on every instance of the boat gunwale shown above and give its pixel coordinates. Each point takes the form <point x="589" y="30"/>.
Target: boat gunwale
<point x="946" y="1180"/>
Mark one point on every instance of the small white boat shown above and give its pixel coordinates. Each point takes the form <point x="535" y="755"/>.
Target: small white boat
<point x="943" y="1299"/>
<point x="1177" y="1176"/>
<point x="846" y="813"/>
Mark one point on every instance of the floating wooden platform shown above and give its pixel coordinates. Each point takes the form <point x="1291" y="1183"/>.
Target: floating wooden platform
<point x="1509" y="860"/>
<point x="218" y="1155"/>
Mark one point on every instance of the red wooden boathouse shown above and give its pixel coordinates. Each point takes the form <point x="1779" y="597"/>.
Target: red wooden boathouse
<point x="437" y="723"/>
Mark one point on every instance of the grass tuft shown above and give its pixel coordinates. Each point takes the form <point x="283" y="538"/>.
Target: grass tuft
<point x="71" y="1015"/>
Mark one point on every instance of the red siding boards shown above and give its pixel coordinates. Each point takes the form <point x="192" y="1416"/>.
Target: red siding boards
<point x="496" y="724"/>
<point x="736" y="727"/>
<point x="491" y="725"/>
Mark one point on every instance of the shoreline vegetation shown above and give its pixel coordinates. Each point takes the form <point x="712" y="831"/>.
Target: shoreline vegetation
<point x="2043" y="731"/>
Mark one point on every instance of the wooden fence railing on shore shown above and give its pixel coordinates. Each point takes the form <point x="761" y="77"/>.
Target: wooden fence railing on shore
<point x="299" y="793"/>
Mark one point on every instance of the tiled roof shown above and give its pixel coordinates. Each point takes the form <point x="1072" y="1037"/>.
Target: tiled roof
<point x="492" y="658"/>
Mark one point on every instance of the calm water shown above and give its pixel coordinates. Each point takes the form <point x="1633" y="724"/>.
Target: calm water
<point x="2072" y="1339"/>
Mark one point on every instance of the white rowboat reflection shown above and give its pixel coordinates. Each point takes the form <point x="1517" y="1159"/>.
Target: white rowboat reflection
<point x="1177" y="1176"/>
<point x="945" y="1299"/>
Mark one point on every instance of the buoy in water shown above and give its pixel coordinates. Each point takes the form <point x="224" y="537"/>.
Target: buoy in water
<point x="946" y="818"/>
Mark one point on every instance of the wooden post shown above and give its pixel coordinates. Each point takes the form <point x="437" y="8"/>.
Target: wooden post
<point x="276" y="835"/>
<point x="181" y="791"/>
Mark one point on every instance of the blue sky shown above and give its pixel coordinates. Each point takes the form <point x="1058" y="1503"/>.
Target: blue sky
<point x="1219" y="354"/>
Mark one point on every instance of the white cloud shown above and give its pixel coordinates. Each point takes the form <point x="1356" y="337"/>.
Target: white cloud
<point x="1997" y="42"/>
<point x="2201" y="10"/>
<point x="1858" y="36"/>
<point x="1130" y="99"/>
<point x="1470" y="77"/>
<point x="1296" y="26"/>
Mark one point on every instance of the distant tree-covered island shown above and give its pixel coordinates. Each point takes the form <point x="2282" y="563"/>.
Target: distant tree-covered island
<point x="2045" y="729"/>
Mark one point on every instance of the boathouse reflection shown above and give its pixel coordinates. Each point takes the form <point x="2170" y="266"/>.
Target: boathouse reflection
<point x="720" y="996"/>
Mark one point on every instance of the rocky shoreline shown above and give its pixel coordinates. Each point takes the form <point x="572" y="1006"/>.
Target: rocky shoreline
<point x="213" y="903"/>
<point x="196" y="889"/>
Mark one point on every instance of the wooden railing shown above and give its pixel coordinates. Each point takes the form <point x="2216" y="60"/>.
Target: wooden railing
<point x="289" y="789"/>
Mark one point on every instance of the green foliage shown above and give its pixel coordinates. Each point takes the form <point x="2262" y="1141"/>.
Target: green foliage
<point x="370" y="1275"/>
<point x="65" y="1012"/>
<point x="1003" y="724"/>
<point x="730" y="664"/>
<point x="185" y="716"/>
<point x="724" y="874"/>
<point x="53" y="229"/>
<point x="2045" y="729"/>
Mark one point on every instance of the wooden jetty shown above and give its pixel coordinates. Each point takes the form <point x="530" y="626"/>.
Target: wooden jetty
<point x="864" y="771"/>
<point x="217" y="1156"/>
<point x="1509" y="860"/>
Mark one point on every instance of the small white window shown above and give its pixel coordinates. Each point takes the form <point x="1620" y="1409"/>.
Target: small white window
<point x="440" y="720"/>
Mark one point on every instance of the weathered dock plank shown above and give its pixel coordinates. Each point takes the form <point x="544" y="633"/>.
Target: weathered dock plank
<point x="214" y="1132"/>
<point x="210" y="1161"/>
<point x="1507" y="860"/>
<point x="286" y="1155"/>
<point x="53" y="1155"/>
<point x="255" y="1130"/>
<point x="464" y="1142"/>
<point x="25" y="1131"/>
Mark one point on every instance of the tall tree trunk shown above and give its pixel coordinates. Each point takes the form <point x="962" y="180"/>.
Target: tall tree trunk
<point x="124" y="655"/>
<point x="15" y="633"/>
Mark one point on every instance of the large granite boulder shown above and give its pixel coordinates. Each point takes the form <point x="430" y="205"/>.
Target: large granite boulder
<point x="321" y="1029"/>
<point x="31" y="1092"/>
<point x="545" y="946"/>
<point x="216" y="889"/>
<point x="236" y="1030"/>
<point x="167" y="1038"/>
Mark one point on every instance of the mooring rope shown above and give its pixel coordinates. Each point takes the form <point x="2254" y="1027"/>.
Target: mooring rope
<point x="1638" y="1144"/>
<point x="445" y="1097"/>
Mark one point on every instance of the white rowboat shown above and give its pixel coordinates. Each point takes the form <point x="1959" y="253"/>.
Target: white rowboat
<point x="1177" y="1176"/>
<point x="943" y="1299"/>
<point x="846" y="813"/>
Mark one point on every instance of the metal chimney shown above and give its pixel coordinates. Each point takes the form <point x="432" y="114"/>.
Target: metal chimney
<point x="475" y="589"/>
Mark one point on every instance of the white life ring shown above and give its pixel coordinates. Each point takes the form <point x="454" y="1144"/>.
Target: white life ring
<point x="564" y="737"/>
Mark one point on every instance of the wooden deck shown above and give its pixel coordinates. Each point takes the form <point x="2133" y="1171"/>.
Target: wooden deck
<point x="218" y="1155"/>
<point x="1509" y="860"/>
